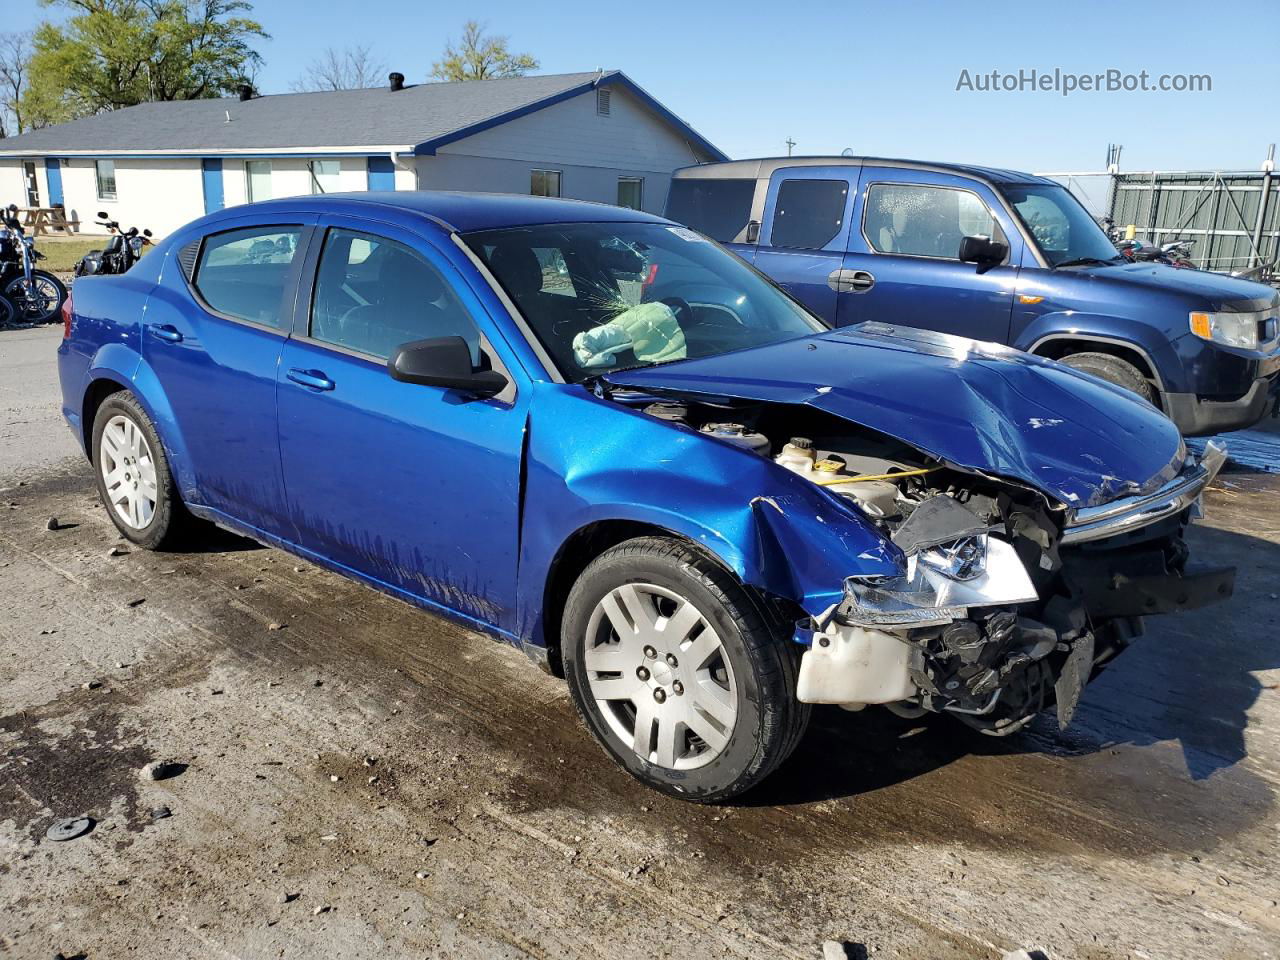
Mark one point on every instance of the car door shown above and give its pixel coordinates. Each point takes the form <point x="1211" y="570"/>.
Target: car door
<point x="212" y="336"/>
<point x="905" y="254"/>
<point x="805" y="232"/>
<point x="412" y="486"/>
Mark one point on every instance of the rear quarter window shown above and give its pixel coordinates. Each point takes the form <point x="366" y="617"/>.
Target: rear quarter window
<point x="241" y="273"/>
<point x="718" y="208"/>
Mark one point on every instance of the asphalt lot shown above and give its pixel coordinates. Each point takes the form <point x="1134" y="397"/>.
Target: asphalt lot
<point x="413" y="789"/>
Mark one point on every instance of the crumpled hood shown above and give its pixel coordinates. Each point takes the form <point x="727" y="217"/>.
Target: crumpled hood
<point x="979" y="406"/>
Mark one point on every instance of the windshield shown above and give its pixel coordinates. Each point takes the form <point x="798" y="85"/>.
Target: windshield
<point x="604" y="296"/>
<point x="1062" y="228"/>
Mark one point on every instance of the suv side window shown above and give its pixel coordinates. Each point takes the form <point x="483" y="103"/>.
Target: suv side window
<point x="718" y="208"/>
<point x="924" y="221"/>
<point x="373" y="294"/>
<point x="241" y="273"/>
<point x="808" y="213"/>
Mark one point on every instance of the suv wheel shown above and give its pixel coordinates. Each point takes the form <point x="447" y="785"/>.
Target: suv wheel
<point x="1113" y="370"/>
<point x="133" y="475"/>
<point x="678" y="673"/>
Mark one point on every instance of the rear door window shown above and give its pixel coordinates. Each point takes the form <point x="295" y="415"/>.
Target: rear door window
<point x="718" y="208"/>
<point x="808" y="214"/>
<point x="924" y="221"/>
<point x="241" y="274"/>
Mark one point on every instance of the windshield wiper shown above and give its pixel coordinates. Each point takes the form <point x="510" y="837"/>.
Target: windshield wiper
<point x="1085" y="261"/>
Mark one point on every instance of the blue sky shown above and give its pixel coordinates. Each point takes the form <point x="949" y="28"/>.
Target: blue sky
<point x="878" y="77"/>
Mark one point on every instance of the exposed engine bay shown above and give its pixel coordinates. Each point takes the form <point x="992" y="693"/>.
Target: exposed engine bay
<point x="995" y="618"/>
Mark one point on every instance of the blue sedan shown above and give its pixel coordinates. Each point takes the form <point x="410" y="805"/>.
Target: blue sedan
<point x="599" y="436"/>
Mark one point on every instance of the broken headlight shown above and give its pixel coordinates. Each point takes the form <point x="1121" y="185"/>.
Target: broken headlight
<point x="940" y="584"/>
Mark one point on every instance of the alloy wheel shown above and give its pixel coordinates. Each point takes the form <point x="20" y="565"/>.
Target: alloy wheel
<point x="660" y="675"/>
<point x="35" y="301"/>
<point x="128" y="472"/>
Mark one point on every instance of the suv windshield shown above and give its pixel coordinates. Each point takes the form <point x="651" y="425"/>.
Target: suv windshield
<point x="604" y="296"/>
<point x="1062" y="228"/>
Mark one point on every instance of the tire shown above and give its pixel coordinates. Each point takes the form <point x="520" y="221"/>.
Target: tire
<point x="8" y="316"/>
<point x="42" y="302"/>
<point x="1113" y="370"/>
<point x="132" y="468"/>
<point x="716" y="699"/>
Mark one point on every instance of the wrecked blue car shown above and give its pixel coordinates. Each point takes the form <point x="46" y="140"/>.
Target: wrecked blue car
<point x="597" y="435"/>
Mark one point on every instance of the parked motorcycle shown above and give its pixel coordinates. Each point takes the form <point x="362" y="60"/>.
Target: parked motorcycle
<point x="35" y="295"/>
<point x="8" y="315"/>
<point x="122" y="251"/>
<point x="1175" y="253"/>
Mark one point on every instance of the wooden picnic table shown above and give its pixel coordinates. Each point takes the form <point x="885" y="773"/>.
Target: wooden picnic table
<point x="45" y="220"/>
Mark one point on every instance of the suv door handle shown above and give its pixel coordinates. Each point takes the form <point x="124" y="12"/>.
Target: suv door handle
<point x="314" y="379"/>
<point x="166" y="332"/>
<point x="845" y="280"/>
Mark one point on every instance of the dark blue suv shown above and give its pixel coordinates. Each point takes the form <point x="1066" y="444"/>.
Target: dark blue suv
<point x="994" y="255"/>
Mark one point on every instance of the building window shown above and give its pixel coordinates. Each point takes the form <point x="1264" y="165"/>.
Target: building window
<point x="324" y="175"/>
<point x="257" y="175"/>
<point x="603" y="96"/>
<point x="545" y="183"/>
<point x="106" y="170"/>
<point x="630" y="192"/>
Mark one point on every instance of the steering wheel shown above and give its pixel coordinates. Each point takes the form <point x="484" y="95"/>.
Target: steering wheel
<point x="680" y="307"/>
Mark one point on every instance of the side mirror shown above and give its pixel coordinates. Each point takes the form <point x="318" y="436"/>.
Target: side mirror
<point x="146" y="233"/>
<point x="753" y="231"/>
<point x="443" y="362"/>
<point x="102" y="214"/>
<point x="983" y="251"/>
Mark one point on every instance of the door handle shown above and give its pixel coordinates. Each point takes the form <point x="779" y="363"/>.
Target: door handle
<point x="166" y="332"/>
<point x="314" y="379"/>
<point x="845" y="280"/>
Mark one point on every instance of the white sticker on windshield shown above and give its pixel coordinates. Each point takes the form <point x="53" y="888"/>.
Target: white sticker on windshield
<point x="684" y="233"/>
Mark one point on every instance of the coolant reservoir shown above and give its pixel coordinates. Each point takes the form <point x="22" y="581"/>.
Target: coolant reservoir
<point x="879" y="498"/>
<point x="797" y="455"/>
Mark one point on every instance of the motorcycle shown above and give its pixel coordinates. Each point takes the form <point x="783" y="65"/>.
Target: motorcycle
<point x="1175" y="253"/>
<point x="36" y="296"/>
<point x="122" y="251"/>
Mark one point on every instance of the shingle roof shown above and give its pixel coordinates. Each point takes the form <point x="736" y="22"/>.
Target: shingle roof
<point x="343" y="119"/>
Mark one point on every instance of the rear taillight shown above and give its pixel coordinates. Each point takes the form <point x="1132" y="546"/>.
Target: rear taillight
<point x="66" y="318"/>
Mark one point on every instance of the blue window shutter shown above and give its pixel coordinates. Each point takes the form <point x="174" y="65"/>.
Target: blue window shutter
<point x="382" y="174"/>
<point x="53" y="172"/>
<point x="211" y="171"/>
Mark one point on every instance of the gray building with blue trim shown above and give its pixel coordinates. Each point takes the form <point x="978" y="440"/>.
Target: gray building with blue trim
<point x="591" y="136"/>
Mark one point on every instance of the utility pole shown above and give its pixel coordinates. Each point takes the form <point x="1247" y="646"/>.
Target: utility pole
<point x="790" y="143"/>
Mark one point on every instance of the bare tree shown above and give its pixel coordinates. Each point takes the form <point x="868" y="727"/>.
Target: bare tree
<point x="480" y="57"/>
<point x="350" y="68"/>
<point x="15" y="58"/>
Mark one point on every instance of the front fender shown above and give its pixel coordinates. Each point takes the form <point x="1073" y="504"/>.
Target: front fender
<point x="590" y="460"/>
<point x="1075" y="327"/>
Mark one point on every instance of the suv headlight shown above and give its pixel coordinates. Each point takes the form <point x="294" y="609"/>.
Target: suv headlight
<point x="1229" y="329"/>
<point x="940" y="584"/>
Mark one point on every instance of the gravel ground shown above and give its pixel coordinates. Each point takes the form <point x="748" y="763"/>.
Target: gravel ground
<point x="356" y="778"/>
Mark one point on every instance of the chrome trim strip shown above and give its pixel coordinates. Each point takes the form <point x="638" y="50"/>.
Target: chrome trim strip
<point x="1134" y="513"/>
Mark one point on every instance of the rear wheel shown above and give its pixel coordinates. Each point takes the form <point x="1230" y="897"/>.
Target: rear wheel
<point x="133" y="475"/>
<point x="678" y="673"/>
<point x="1113" y="370"/>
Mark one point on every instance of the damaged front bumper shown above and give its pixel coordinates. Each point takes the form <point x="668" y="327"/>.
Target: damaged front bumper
<point x="982" y="643"/>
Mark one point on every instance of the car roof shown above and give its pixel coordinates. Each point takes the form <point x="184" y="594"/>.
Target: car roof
<point x="457" y="211"/>
<point x="765" y="166"/>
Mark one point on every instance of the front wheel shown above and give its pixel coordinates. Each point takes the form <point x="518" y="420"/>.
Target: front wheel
<point x="678" y="673"/>
<point x="38" y="301"/>
<point x="1113" y="370"/>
